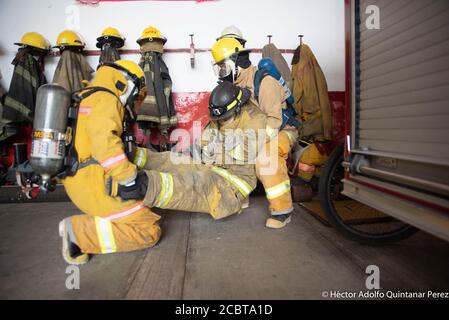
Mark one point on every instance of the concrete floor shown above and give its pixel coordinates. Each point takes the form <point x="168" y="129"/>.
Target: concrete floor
<point x="199" y="258"/>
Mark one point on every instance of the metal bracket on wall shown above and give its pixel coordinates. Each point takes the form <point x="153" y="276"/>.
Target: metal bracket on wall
<point x="192" y="52"/>
<point x="91" y="53"/>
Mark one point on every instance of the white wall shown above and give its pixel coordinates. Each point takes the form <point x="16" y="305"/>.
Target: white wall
<point x="321" y="21"/>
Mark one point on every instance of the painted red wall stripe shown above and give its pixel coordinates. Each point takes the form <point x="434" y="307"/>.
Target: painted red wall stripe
<point x="95" y="2"/>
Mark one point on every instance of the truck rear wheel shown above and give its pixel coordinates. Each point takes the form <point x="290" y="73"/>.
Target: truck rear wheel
<point x="351" y="218"/>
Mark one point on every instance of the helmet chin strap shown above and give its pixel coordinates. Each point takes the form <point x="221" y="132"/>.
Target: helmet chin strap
<point x="236" y="69"/>
<point x="236" y="73"/>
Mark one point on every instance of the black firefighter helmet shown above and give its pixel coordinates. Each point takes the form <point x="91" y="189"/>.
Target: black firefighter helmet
<point x="226" y="100"/>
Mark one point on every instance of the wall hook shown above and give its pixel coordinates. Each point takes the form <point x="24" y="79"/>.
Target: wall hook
<point x="192" y="51"/>
<point x="269" y="38"/>
<point x="300" y="37"/>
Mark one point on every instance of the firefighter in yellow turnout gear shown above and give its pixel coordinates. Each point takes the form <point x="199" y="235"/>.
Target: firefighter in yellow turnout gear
<point x="109" y="224"/>
<point x="222" y="181"/>
<point x="232" y="64"/>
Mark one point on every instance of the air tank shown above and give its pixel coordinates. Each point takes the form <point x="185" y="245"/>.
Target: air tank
<point x="49" y="131"/>
<point x="268" y="65"/>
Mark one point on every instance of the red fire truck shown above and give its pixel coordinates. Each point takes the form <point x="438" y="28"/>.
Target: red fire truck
<point x="391" y="176"/>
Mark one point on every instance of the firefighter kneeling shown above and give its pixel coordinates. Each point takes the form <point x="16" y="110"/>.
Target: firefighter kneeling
<point x="109" y="223"/>
<point x="116" y="197"/>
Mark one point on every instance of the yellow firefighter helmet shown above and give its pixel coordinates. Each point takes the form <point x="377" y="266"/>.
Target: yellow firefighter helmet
<point x="130" y="67"/>
<point x="150" y="34"/>
<point x="113" y="34"/>
<point x="69" y="38"/>
<point x="226" y="48"/>
<point x="35" y="40"/>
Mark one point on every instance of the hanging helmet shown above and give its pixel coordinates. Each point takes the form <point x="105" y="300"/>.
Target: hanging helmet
<point x="226" y="100"/>
<point x="151" y="34"/>
<point x="69" y="38"/>
<point x="35" y="40"/>
<point x="111" y="34"/>
<point x="226" y="48"/>
<point x="234" y="33"/>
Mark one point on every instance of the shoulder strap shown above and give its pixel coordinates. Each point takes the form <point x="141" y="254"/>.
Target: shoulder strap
<point x="71" y="161"/>
<point x="82" y="94"/>
<point x="260" y="75"/>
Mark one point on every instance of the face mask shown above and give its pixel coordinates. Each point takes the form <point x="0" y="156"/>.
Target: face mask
<point x="124" y="98"/>
<point x="226" y="70"/>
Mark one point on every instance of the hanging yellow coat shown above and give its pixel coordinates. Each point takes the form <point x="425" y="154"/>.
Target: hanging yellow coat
<point x="311" y="96"/>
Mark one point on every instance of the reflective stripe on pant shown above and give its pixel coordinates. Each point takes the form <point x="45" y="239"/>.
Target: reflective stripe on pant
<point x="109" y="225"/>
<point x="277" y="182"/>
<point x="140" y="159"/>
<point x="311" y="160"/>
<point x="105" y="235"/>
<point x="244" y="188"/>
<point x="193" y="191"/>
<point x="166" y="192"/>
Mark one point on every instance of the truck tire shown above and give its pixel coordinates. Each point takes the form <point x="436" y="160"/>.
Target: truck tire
<point x="332" y="174"/>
